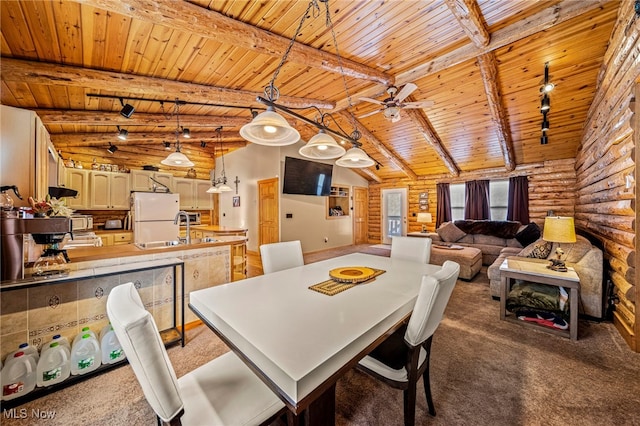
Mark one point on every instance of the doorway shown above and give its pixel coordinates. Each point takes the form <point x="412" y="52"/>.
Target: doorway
<point x="394" y="213"/>
<point x="360" y="215"/>
<point x="268" y="211"/>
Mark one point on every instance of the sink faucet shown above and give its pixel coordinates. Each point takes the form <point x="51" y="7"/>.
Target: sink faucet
<point x="177" y="220"/>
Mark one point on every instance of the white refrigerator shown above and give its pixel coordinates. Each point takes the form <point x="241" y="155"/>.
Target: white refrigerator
<point x="153" y="215"/>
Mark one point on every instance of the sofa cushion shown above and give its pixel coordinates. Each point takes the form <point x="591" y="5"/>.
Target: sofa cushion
<point x="496" y="228"/>
<point x="488" y="240"/>
<point x="450" y="232"/>
<point x="528" y="234"/>
<point x="541" y="249"/>
<point x="576" y="251"/>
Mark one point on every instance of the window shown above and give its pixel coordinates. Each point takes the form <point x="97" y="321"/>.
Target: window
<point x="498" y="199"/>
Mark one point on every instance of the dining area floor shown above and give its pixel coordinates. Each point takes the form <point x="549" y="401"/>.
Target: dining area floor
<point x="483" y="372"/>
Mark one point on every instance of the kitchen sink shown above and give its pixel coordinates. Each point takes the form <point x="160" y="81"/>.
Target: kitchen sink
<point x="158" y="244"/>
<point x="173" y="243"/>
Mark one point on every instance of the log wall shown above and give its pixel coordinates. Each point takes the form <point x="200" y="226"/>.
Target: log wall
<point x="606" y="167"/>
<point x="552" y="186"/>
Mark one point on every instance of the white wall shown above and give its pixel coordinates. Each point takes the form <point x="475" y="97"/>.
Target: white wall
<point x="308" y="223"/>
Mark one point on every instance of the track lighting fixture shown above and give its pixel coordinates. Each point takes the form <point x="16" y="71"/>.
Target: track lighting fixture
<point x="127" y="109"/>
<point x="122" y="133"/>
<point x="167" y="145"/>
<point x="112" y="148"/>
<point x="544" y="139"/>
<point x="545" y="104"/>
<point x="203" y="144"/>
<point x="545" y="123"/>
<point x="186" y="133"/>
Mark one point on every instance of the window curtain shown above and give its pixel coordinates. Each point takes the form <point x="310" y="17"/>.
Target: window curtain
<point x="443" y="208"/>
<point x="518" y="202"/>
<point x="476" y="206"/>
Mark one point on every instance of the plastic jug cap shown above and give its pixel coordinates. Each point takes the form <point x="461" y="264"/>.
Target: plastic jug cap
<point x="57" y="336"/>
<point x="18" y="354"/>
<point x="85" y="329"/>
<point x="54" y="344"/>
<point x="23" y="345"/>
<point x="86" y="336"/>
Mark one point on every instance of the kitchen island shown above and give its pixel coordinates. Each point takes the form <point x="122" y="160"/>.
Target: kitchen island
<point x="35" y="313"/>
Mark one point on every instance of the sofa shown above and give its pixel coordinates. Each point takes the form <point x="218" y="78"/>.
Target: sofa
<point x="584" y="257"/>
<point x="490" y="236"/>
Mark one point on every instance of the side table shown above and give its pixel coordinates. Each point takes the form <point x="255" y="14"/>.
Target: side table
<point x="535" y="270"/>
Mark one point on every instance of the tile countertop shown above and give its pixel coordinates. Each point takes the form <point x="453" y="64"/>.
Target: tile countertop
<point x="83" y="254"/>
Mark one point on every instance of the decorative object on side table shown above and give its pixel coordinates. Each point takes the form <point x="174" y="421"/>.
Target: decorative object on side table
<point x="559" y="229"/>
<point x="424" y="218"/>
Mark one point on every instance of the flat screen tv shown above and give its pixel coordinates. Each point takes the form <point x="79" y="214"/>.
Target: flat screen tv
<point x="305" y="177"/>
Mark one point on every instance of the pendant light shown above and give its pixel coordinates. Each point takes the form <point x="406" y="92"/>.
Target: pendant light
<point x="271" y="129"/>
<point x="220" y="184"/>
<point x="177" y="159"/>
<point x="322" y="147"/>
<point x="355" y="158"/>
<point x="213" y="189"/>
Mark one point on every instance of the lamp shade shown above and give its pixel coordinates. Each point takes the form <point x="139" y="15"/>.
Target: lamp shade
<point x="322" y="147"/>
<point x="559" y="229"/>
<point x="177" y="159"/>
<point x="224" y="188"/>
<point x="212" y="190"/>
<point x="271" y="129"/>
<point x="355" y="158"/>
<point x="424" y="218"/>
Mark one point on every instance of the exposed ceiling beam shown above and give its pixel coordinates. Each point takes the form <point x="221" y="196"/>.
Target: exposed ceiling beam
<point x="179" y="15"/>
<point x="109" y="118"/>
<point x="540" y="21"/>
<point x="89" y="139"/>
<point x="489" y="70"/>
<point x="32" y="72"/>
<point x="380" y="147"/>
<point x="426" y="130"/>
<point x="468" y="14"/>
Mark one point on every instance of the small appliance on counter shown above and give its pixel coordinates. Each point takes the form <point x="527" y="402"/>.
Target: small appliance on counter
<point x="81" y="222"/>
<point x="113" y="224"/>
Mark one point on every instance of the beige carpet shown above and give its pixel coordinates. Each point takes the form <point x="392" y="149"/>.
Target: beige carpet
<point x="484" y="372"/>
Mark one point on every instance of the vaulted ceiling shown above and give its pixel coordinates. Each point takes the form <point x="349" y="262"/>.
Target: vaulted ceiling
<point x="481" y="63"/>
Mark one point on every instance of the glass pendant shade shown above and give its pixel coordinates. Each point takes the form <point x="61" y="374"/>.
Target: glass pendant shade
<point x="271" y="129"/>
<point x="177" y="159"/>
<point x="212" y="190"/>
<point x="322" y="147"/>
<point x="355" y="158"/>
<point x="224" y="188"/>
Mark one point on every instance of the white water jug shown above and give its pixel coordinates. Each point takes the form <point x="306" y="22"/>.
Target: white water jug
<point x="18" y="376"/>
<point x="85" y="355"/>
<point x="112" y="351"/>
<point x="84" y="331"/>
<point x="62" y="341"/>
<point x="27" y="349"/>
<point x="53" y="366"/>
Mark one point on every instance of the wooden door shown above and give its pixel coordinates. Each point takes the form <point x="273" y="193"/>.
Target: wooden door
<point x="360" y="215"/>
<point x="268" y="211"/>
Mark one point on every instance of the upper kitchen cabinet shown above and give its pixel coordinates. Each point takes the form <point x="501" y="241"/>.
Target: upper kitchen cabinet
<point x="193" y="193"/>
<point x="143" y="180"/>
<point x="24" y="161"/>
<point x="109" y="190"/>
<point x="78" y="179"/>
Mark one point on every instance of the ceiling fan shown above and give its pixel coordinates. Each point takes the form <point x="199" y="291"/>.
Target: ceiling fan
<point x="394" y="103"/>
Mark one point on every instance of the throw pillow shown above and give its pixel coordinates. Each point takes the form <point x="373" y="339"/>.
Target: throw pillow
<point x="528" y="234"/>
<point x="539" y="250"/>
<point x="449" y="232"/>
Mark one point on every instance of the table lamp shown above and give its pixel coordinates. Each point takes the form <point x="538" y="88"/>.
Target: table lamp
<point x="559" y="229"/>
<point x="424" y="218"/>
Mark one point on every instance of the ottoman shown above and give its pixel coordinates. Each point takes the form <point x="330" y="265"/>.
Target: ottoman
<point x="469" y="258"/>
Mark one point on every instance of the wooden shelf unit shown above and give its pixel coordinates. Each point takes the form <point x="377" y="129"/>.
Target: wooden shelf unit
<point x="338" y="202"/>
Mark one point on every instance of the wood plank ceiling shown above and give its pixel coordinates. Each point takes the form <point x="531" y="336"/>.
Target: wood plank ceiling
<point x="481" y="62"/>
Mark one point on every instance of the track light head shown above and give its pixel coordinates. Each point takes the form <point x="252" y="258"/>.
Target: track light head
<point x="544" y="139"/>
<point x="112" y="148"/>
<point x="545" y="104"/>
<point x="186" y="133"/>
<point x="127" y="109"/>
<point x="167" y="145"/>
<point x="203" y="144"/>
<point x="122" y="134"/>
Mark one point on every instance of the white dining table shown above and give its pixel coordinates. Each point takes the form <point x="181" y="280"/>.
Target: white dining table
<point x="300" y="341"/>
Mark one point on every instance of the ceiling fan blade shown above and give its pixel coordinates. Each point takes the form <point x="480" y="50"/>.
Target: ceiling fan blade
<point x="369" y="113"/>
<point x="406" y="91"/>
<point x="418" y="104"/>
<point x="374" y="101"/>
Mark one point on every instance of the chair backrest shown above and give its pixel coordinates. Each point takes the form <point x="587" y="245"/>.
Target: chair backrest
<point x="416" y="249"/>
<point x="137" y="333"/>
<point x="278" y="256"/>
<point x="433" y="297"/>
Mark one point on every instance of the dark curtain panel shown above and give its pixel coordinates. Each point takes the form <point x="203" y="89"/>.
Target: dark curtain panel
<point x="476" y="196"/>
<point x="443" y="208"/>
<point x="518" y="203"/>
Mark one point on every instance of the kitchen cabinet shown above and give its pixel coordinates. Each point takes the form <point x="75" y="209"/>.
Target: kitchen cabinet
<point x="108" y="190"/>
<point x="141" y="180"/>
<point x="115" y="238"/>
<point x="193" y="193"/>
<point x="24" y="161"/>
<point x="338" y="202"/>
<point x="78" y="179"/>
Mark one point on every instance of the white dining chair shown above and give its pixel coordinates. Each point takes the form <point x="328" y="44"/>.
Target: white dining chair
<point x="400" y="360"/>
<point x="416" y="249"/>
<point x="223" y="391"/>
<point x="283" y="255"/>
